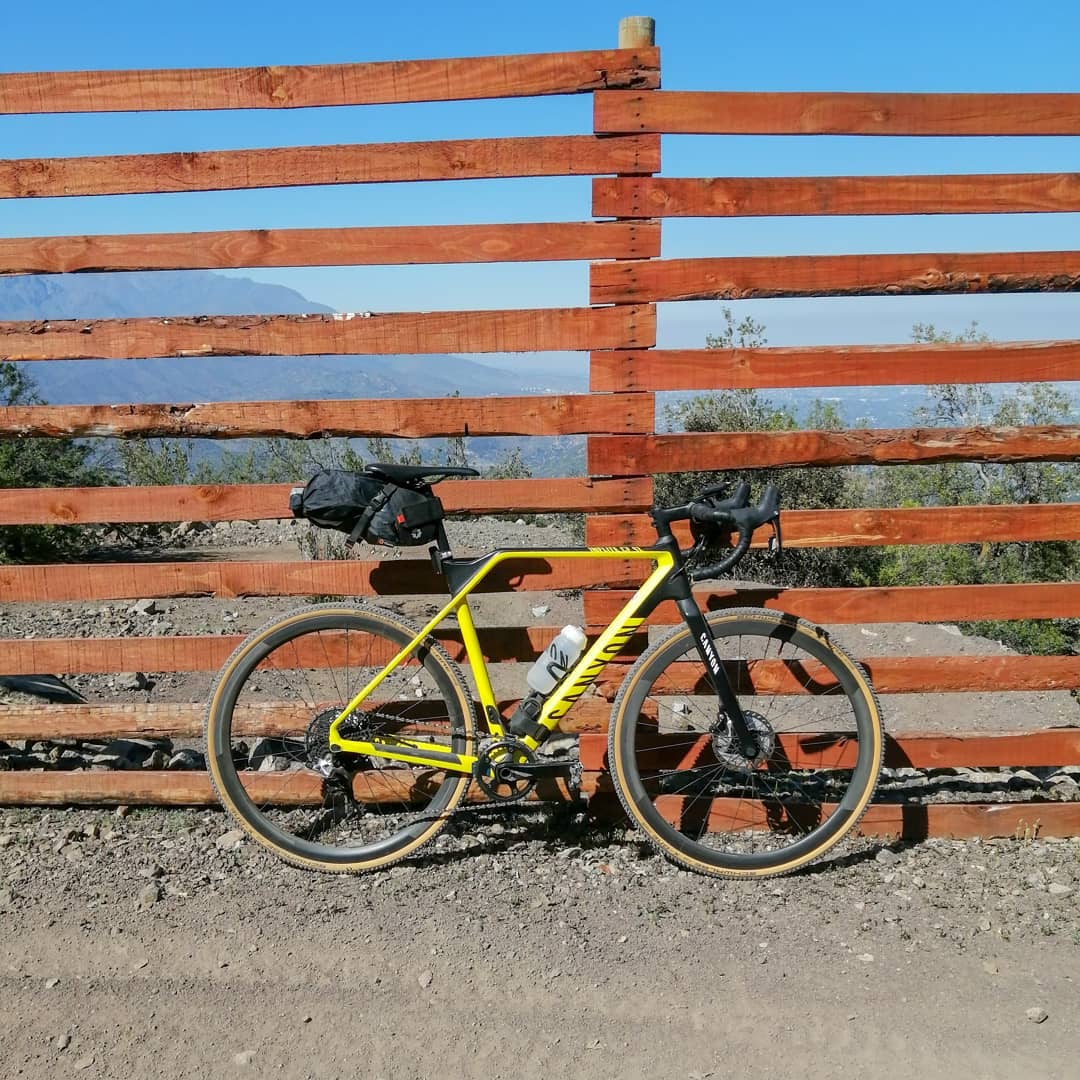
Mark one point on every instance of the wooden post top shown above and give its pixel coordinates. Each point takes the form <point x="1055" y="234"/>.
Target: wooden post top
<point x="637" y="32"/>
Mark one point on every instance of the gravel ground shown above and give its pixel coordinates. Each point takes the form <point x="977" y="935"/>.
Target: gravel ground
<point x="162" y="944"/>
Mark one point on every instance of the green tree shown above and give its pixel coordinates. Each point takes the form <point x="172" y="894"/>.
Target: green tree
<point x="750" y="410"/>
<point x="37" y="462"/>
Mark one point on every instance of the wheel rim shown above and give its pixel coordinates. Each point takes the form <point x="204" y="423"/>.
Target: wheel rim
<point x="692" y="788"/>
<point x="286" y="686"/>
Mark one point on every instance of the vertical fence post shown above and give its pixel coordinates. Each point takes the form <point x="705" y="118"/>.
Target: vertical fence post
<point x="635" y="32"/>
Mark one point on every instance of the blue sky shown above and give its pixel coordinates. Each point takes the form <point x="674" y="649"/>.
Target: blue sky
<point x="992" y="46"/>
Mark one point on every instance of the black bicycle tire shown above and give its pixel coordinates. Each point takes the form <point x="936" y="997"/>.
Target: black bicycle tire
<point x="229" y="683"/>
<point x="687" y="852"/>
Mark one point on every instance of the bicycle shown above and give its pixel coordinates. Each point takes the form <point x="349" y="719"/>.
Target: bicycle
<point x="744" y="742"/>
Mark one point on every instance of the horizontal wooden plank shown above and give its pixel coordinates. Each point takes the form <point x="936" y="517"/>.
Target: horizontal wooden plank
<point x="638" y="455"/>
<point x="298" y="166"/>
<point x="959" y="821"/>
<point x="353" y="577"/>
<point x="378" y="334"/>
<point x="756" y="277"/>
<point x="919" y="750"/>
<point x="310" y="85"/>
<point x="375" y="246"/>
<point x="258" y="502"/>
<point x="834" y="365"/>
<point x="185" y="720"/>
<point x="153" y="787"/>
<point x="208" y="652"/>
<point x="909" y="603"/>
<point x="872" y="528"/>
<point x="689" y="112"/>
<point x="789" y="196"/>
<point x="558" y="414"/>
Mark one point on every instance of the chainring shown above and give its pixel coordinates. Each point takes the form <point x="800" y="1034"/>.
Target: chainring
<point x="493" y="756"/>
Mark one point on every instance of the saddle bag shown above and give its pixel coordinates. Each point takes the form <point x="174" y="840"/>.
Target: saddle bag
<point x="368" y="508"/>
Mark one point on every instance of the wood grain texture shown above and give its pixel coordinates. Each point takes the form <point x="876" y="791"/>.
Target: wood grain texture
<point x="756" y="277"/>
<point x="789" y="196"/>
<point x="834" y="365"/>
<point x="872" y="528"/>
<point x="563" y="414"/>
<point x="642" y="455"/>
<point x="959" y="821"/>
<point x="335" y="577"/>
<point x="918" y="750"/>
<point x="207" y="653"/>
<point x="374" y="246"/>
<point x="150" y="787"/>
<point x="687" y="112"/>
<point x="344" y="333"/>
<point x="312" y="85"/>
<point x="910" y="603"/>
<point x="259" y="502"/>
<point x="300" y="166"/>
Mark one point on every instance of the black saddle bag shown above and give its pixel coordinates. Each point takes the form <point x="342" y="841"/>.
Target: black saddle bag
<point x="368" y="508"/>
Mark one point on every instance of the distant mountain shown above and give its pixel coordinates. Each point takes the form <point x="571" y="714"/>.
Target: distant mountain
<point x="263" y="378"/>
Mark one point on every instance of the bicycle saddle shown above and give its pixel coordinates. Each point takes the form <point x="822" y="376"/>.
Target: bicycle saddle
<point x="410" y="475"/>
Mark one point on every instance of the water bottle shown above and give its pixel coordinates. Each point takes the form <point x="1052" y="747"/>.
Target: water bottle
<point x="548" y="671"/>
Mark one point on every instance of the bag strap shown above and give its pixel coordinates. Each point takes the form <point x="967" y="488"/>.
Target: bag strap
<point x="378" y="501"/>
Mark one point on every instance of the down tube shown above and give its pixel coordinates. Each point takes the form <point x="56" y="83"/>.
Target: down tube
<point x="606" y="647"/>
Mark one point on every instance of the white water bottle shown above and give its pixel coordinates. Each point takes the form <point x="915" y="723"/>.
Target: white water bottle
<point x="556" y="660"/>
<point x="548" y="671"/>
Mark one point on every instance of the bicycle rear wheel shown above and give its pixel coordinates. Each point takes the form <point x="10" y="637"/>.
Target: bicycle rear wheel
<point x="683" y="779"/>
<point x="267" y="732"/>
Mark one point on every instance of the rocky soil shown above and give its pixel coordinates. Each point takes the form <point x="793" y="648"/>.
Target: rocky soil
<point x="162" y="944"/>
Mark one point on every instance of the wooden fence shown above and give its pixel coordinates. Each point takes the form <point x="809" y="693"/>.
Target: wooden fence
<point x="617" y="328"/>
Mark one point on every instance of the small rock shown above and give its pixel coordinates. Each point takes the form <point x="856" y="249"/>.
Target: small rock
<point x="149" y="895"/>
<point x="245" y="1057"/>
<point x="984" y="925"/>
<point x="50" y="983"/>
<point x="424" y="979"/>
<point x="132" y="680"/>
<point x="7" y="898"/>
<point x="84" y="1062"/>
<point x="230" y="840"/>
<point x="1055" y="888"/>
<point x="187" y="759"/>
<point x="990" y="967"/>
<point x="539" y="610"/>
<point x="144" y="607"/>
<point x="866" y="958"/>
<point x="1036" y="1015"/>
<point x="62" y="1042"/>
<point x="6" y="840"/>
<point x="886" y="857"/>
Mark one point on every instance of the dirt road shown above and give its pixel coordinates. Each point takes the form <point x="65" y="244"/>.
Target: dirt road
<point x="159" y="945"/>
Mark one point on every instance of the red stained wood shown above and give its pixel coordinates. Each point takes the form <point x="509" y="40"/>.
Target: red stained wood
<point x="834" y="365"/>
<point x="686" y="112"/>
<point x="910" y="603"/>
<point x="309" y="85"/>
<point x="785" y="196"/>
<point x="414" y="417"/>
<point x="158" y="788"/>
<point x="378" y="246"/>
<point x="208" y="653"/>
<point x="833" y="275"/>
<point x="299" y="166"/>
<point x="960" y="821"/>
<point x="872" y="528"/>
<point x="102" y="581"/>
<point x="254" y="502"/>
<point x="534" y="330"/>
<point x="929" y="750"/>
<point x="622" y="455"/>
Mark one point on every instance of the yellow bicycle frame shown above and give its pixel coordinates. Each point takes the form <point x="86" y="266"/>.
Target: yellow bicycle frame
<point x="604" y="649"/>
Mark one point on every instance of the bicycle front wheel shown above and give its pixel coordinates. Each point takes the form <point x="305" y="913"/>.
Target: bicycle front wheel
<point x="683" y="778"/>
<point x="267" y="738"/>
